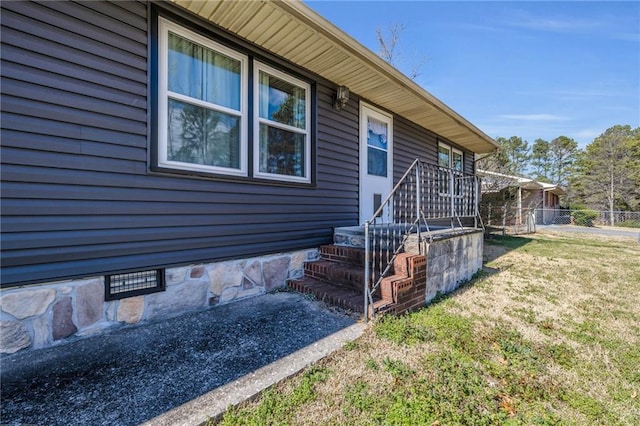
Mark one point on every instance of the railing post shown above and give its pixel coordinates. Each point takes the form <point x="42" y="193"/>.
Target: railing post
<point x="452" y="204"/>
<point x="504" y="220"/>
<point x="476" y="202"/>
<point x="367" y="271"/>
<point x="418" y="199"/>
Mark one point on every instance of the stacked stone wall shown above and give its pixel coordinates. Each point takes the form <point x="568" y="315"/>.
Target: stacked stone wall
<point x="43" y="315"/>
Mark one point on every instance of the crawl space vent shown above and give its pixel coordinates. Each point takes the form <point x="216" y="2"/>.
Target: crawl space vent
<point x="119" y="286"/>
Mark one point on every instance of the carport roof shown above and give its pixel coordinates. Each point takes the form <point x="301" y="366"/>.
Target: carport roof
<point x="521" y="182"/>
<point x="295" y="32"/>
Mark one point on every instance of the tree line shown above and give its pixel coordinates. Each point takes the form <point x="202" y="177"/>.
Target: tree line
<point x="605" y="175"/>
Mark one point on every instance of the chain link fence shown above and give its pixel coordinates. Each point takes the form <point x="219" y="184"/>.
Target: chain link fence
<point x="623" y="219"/>
<point x="507" y="218"/>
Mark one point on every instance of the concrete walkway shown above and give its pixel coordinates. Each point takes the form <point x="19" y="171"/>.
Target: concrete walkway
<point x="177" y="371"/>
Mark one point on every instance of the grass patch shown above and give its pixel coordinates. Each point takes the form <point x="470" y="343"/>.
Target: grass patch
<point x="629" y="224"/>
<point x="278" y="407"/>
<point x="551" y="336"/>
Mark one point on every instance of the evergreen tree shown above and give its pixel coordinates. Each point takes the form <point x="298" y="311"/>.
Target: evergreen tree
<point x="541" y="160"/>
<point x="510" y="159"/>
<point x="517" y="152"/>
<point x="562" y="154"/>
<point x="608" y="172"/>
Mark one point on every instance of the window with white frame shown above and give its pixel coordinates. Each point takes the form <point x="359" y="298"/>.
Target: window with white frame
<point x="444" y="155"/>
<point x="201" y="95"/>
<point x="203" y="115"/>
<point x="453" y="159"/>
<point x="450" y="157"/>
<point x="282" y="142"/>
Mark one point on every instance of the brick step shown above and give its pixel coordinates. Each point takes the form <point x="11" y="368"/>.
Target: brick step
<point x="353" y="256"/>
<point x="331" y="294"/>
<point x="345" y="275"/>
<point x="346" y="255"/>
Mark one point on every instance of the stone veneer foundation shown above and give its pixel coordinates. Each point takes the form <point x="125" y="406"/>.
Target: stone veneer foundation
<point x="42" y="315"/>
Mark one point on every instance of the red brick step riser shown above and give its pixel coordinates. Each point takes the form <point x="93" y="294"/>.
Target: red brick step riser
<point x="339" y="274"/>
<point x="344" y="298"/>
<point x="347" y="255"/>
<point x="335" y="273"/>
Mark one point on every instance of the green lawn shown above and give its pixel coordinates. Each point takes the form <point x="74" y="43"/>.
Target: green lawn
<point x="548" y="334"/>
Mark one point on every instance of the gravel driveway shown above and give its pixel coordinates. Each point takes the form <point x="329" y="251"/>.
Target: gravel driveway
<point x="131" y="375"/>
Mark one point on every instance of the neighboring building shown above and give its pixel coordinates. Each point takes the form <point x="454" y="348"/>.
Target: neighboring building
<point x="160" y="157"/>
<point x="522" y="197"/>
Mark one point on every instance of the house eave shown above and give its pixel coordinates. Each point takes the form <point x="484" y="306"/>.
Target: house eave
<point x="522" y="183"/>
<point x="293" y="31"/>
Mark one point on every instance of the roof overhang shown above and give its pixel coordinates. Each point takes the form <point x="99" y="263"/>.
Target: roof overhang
<point x="520" y="182"/>
<point x="293" y="31"/>
<point x="533" y="185"/>
<point x="554" y="189"/>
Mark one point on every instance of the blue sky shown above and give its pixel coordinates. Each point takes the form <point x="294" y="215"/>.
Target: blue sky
<point x="529" y="69"/>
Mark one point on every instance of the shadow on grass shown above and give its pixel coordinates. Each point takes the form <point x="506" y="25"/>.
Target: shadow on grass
<point x="503" y="244"/>
<point x="506" y="242"/>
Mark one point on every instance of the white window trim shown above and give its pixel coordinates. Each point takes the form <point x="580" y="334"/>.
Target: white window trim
<point x="452" y="151"/>
<point x="457" y="151"/>
<point x="456" y="185"/>
<point x="448" y="148"/>
<point x="257" y="120"/>
<point x="164" y="26"/>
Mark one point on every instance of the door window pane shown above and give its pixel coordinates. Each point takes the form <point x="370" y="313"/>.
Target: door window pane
<point x="376" y="162"/>
<point x="377" y="133"/>
<point x="377" y="146"/>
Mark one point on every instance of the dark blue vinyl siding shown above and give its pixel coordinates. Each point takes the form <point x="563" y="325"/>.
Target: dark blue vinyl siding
<point x="78" y="198"/>
<point x="412" y="141"/>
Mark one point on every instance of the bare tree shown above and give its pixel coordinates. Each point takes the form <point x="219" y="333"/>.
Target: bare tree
<point x="390" y="52"/>
<point x="388" y="45"/>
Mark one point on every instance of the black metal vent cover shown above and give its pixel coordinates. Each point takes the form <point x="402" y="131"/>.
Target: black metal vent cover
<point x="129" y="284"/>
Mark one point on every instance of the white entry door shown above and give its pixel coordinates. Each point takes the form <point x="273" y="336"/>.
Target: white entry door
<point x="376" y="159"/>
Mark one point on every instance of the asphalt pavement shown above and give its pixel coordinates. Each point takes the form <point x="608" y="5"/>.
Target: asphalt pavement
<point x="177" y="371"/>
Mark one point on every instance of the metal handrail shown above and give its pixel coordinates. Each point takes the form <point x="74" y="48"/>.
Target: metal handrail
<point x="424" y="192"/>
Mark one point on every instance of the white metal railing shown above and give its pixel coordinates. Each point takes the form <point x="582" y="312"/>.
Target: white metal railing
<point x="425" y="193"/>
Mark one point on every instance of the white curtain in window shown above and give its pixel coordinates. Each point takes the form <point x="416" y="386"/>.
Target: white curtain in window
<point x="264" y="95"/>
<point x="376" y="133"/>
<point x="202" y="73"/>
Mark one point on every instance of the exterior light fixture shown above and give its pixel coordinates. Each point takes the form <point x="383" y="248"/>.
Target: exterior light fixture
<point x="342" y="97"/>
